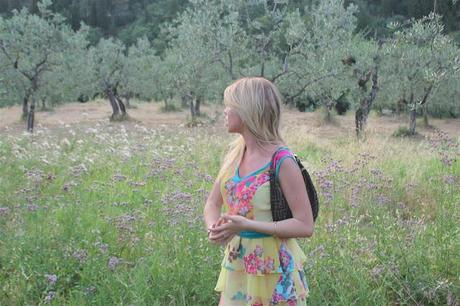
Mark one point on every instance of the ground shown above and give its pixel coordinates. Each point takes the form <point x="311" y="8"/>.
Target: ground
<point x="150" y="115"/>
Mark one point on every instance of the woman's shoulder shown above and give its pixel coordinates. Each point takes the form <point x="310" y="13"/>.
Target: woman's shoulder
<point x="280" y="155"/>
<point x="282" y="152"/>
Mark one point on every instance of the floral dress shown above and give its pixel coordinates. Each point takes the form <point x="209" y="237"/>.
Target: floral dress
<point x="259" y="269"/>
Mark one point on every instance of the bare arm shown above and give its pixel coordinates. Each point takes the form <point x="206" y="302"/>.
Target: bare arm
<point x="213" y="206"/>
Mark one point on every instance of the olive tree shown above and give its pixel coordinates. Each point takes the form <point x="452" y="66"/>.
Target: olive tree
<point x="421" y="58"/>
<point x="365" y="60"/>
<point x="109" y="62"/>
<point x="192" y="61"/>
<point x="74" y="78"/>
<point x="316" y="44"/>
<point x="33" y="45"/>
<point x="139" y="76"/>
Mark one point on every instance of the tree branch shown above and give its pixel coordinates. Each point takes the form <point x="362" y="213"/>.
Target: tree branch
<point x="291" y="98"/>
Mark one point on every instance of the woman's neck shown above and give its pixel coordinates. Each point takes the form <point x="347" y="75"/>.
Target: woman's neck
<point x="252" y="146"/>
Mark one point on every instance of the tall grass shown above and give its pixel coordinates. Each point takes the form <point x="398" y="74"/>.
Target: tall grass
<point x="112" y="214"/>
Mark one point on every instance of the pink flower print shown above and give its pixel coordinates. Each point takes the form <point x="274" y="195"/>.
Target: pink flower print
<point x="252" y="189"/>
<point x="250" y="180"/>
<point x="292" y="302"/>
<point x="246" y="196"/>
<point x="260" y="265"/>
<point x="276" y="298"/>
<point x="239" y="189"/>
<point x="264" y="177"/>
<point x="269" y="265"/>
<point x="229" y="184"/>
<point x="258" y="250"/>
<point x="285" y="258"/>
<point x="250" y="263"/>
<point x="243" y="211"/>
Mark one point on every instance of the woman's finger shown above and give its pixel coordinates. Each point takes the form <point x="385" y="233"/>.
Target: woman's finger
<point x="222" y="227"/>
<point x="221" y="235"/>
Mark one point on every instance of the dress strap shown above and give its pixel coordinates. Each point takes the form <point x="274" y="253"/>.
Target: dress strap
<point x="279" y="156"/>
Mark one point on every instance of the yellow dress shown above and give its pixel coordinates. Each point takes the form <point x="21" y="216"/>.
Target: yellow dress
<point x="259" y="269"/>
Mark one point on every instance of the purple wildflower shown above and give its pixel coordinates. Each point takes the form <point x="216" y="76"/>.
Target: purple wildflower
<point x="448" y="179"/>
<point x="80" y="255"/>
<point x="4" y="211"/>
<point x="50" y="297"/>
<point x="51" y="279"/>
<point x="103" y="247"/>
<point x="32" y="207"/>
<point x="113" y="262"/>
<point x="377" y="271"/>
<point x="90" y="290"/>
<point x="382" y="199"/>
<point x="118" y="177"/>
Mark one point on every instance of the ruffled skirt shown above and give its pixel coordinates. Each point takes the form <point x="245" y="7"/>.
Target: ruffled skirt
<point x="262" y="272"/>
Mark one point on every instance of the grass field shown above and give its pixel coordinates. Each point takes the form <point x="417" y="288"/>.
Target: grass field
<point x="99" y="213"/>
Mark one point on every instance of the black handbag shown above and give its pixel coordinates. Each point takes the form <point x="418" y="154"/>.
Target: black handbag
<point x="279" y="206"/>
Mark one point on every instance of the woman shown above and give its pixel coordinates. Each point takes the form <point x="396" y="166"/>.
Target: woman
<point x="263" y="263"/>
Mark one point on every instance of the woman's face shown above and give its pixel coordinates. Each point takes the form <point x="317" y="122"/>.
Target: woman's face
<point x="233" y="121"/>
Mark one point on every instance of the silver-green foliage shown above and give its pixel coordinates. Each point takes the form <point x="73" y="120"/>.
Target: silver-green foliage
<point x="34" y="50"/>
<point x="420" y="61"/>
<point x="227" y="40"/>
<point x="196" y="47"/>
<point x="317" y="43"/>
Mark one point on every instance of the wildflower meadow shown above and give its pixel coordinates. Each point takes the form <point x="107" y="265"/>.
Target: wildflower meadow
<point x="111" y="213"/>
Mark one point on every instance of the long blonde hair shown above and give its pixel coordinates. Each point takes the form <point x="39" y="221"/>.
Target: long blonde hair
<point x="258" y="103"/>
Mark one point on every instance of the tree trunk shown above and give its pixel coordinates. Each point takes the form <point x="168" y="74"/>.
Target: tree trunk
<point x="359" y="121"/>
<point x="25" y="107"/>
<point x="413" y="121"/>
<point x="113" y="103"/>
<point x="425" y="116"/>
<point x="328" y="115"/>
<point x="121" y="105"/>
<point x="328" y="108"/>
<point x="423" y="103"/>
<point x="366" y="104"/>
<point x="197" y="106"/>
<point x="192" y="109"/>
<point x="31" y="116"/>
<point x="413" y="115"/>
<point x="128" y="97"/>
<point x="230" y="65"/>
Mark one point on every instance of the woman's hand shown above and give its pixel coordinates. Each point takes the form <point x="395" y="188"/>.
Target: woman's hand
<point x="228" y="226"/>
<point x="211" y="236"/>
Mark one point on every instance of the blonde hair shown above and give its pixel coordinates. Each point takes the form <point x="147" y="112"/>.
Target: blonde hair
<point x="258" y="103"/>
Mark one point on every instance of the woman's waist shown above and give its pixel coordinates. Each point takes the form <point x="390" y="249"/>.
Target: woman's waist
<point x="253" y="235"/>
